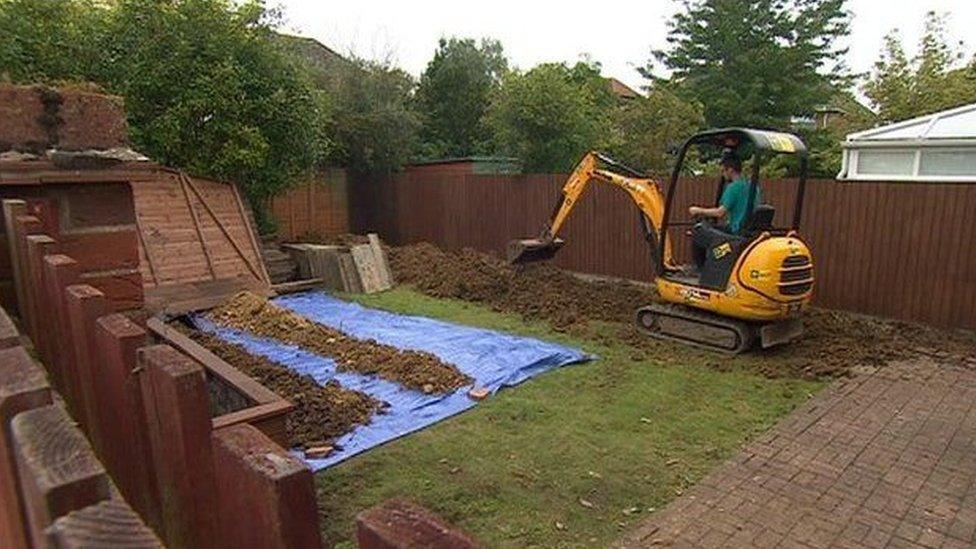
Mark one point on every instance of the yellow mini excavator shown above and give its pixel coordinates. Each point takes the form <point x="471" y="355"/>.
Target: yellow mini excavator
<point x="752" y="286"/>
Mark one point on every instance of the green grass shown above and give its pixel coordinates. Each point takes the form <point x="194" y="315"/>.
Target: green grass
<point x="594" y="447"/>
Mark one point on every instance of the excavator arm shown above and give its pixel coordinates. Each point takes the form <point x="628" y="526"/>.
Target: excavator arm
<point x="597" y="167"/>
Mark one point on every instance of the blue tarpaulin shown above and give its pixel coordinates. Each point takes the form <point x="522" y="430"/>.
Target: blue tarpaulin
<point x="494" y="360"/>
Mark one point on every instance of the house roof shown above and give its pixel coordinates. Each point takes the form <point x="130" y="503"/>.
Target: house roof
<point x="957" y="123"/>
<point x="622" y="90"/>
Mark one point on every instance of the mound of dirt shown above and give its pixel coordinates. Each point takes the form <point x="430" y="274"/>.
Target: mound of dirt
<point x="835" y="343"/>
<point x="322" y="413"/>
<point x="414" y="369"/>
<point x="536" y="291"/>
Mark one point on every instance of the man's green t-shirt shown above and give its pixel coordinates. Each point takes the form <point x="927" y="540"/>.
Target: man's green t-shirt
<point x="735" y="198"/>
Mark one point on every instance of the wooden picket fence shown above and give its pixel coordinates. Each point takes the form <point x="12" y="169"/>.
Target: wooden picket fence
<point x="106" y="406"/>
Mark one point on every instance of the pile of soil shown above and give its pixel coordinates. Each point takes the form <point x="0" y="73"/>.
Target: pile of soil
<point x="537" y="291"/>
<point x="322" y="413"/>
<point x="835" y="343"/>
<point x="413" y="369"/>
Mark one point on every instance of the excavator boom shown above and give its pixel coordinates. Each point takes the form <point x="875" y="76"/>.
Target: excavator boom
<point x="595" y="166"/>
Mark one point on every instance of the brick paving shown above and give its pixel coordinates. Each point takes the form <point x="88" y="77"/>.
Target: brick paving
<point x="885" y="459"/>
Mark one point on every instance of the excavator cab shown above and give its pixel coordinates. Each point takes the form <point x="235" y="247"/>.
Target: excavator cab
<point x="751" y="146"/>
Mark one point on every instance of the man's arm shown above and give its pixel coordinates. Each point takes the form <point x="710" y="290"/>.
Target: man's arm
<point x="717" y="212"/>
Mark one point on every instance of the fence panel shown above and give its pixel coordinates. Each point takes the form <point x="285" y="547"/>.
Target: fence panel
<point x="900" y="250"/>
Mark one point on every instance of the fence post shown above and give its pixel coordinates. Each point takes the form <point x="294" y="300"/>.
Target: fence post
<point x="174" y="392"/>
<point x="110" y="523"/>
<point x="85" y="305"/>
<point x="24" y="227"/>
<point x="38" y="246"/>
<point x="118" y="340"/>
<point x="12" y="209"/>
<point x="23" y="386"/>
<point x="261" y="485"/>
<point x="58" y="470"/>
<point x="60" y="271"/>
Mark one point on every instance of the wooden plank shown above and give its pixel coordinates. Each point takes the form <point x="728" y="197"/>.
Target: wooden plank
<point x="12" y="209"/>
<point x="222" y="228"/>
<point x="145" y="250"/>
<point x="297" y="286"/>
<point x="257" y="393"/>
<point x="109" y="524"/>
<point x="362" y="255"/>
<point x="251" y="232"/>
<point x="58" y="470"/>
<point x="196" y="225"/>
<point x="382" y="265"/>
<point x="350" y="276"/>
<point x="102" y="250"/>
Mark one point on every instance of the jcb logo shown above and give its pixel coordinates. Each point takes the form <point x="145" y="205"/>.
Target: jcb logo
<point x="721" y="251"/>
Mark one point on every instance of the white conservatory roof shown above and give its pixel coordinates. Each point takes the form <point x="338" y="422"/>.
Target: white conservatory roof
<point x="958" y="123"/>
<point x="939" y="147"/>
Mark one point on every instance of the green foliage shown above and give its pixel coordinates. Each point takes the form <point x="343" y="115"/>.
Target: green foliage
<point x="374" y="126"/>
<point x="756" y="62"/>
<point x="453" y="96"/>
<point x="650" y="129"/>
<point x="934" y="80"/>
<point x="205" y="87"/>
<point x="551" y="115"/>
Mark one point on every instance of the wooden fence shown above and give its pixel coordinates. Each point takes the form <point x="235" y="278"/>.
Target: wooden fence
<point x="317" y="206"/>
<point x="899" y="250"/>
<point x="140" y="419"/>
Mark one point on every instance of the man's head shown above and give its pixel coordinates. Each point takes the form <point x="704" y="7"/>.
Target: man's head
<point x="731" y="165"/>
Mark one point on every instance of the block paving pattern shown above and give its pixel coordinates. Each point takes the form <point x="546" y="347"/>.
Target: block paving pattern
<point x="885" y="459"/>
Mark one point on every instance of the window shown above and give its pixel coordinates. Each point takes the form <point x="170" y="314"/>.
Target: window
<point x="957" y="162"/>
<point x="886" y="162"/>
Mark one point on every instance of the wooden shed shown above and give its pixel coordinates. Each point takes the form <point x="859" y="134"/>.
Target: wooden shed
<point x="146" y="235"/>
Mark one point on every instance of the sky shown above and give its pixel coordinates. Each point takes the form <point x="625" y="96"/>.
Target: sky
<point x="617" y="33"/>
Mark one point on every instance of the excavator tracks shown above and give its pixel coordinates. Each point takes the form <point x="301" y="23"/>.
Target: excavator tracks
<point x="696" y="328"/>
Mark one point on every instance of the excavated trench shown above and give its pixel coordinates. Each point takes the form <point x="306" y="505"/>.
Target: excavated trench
<point x="322" y="413"/>
<point x="834" y="344"/>
<point x="416" y="370"/>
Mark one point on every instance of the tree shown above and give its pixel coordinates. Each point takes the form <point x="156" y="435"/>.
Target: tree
<point x="652" y="127"/>
<point x="453" y="95"/>
<point x="933" y="80"/>
<point x="551" y="115"/>
<point x="374" y="126"/>
<point x="755" y="62"/>
<point x="206" y="89"/>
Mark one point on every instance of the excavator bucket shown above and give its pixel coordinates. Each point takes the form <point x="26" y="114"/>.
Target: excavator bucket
<point x="530" y="250"/>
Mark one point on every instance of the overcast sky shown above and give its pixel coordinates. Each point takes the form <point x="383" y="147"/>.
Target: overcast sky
<point x="617" y="33"/>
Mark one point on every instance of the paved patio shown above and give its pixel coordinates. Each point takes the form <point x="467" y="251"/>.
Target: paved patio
<point x="886" y="459"/>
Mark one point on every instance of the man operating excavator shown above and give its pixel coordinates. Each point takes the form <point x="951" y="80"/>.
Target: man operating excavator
<point x="732" y="208"/>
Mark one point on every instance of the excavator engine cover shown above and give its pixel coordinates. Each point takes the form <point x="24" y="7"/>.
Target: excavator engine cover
<point x="530" y="250"/>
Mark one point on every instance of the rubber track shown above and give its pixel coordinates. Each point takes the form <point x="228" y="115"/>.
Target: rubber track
<point x="744" y="333"/>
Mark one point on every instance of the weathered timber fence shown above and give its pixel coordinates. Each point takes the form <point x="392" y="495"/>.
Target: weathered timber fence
<point x="318" y="206"/>
<point x="899" y="250"/>
<point x="130" y="414"/>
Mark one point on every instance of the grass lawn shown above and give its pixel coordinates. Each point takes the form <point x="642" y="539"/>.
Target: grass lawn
<point x="571" y="457"/>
